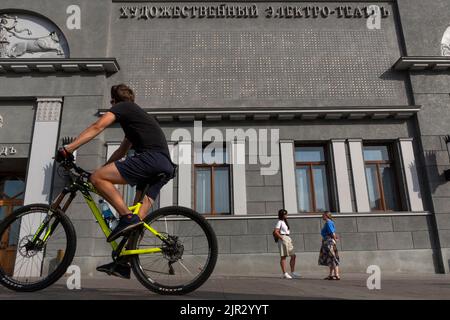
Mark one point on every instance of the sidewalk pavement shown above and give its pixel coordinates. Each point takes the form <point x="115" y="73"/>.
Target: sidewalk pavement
<point x="263" y="287"/>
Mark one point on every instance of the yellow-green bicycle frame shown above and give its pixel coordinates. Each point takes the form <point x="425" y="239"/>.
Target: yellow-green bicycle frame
<point x="85" y="189"/>
<point x="135" y="209"/>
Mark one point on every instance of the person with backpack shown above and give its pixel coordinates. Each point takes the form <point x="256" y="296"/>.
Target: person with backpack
<point x="281" y="236"/>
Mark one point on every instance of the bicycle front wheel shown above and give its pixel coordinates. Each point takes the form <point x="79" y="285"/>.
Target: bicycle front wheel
<point x="188" y="254"/>
<point x="42" y="245"/>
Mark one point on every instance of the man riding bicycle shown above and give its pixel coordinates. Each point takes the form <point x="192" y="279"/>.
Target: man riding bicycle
<point x="142" y="134"/>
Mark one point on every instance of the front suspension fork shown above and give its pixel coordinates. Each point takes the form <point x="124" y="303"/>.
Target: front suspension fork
<point x="53" y="208"/>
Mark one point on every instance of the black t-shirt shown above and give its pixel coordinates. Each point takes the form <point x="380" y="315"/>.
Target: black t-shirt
<point x="141" y="129"/>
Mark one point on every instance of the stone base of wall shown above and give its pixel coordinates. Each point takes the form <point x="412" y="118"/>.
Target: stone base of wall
<point x="402" y="261"/>
<point x="393" y="261"/>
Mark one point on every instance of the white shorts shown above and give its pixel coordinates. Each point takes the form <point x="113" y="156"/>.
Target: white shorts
<point x="286" y="247"/>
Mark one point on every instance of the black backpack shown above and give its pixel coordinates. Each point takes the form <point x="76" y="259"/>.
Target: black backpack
<point x="275" y="238"/>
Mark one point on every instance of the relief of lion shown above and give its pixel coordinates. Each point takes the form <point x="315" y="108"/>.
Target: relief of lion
<point x="44" y="44"/>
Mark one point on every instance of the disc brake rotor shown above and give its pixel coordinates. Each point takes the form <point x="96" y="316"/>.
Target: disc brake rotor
<point x="26" y="247"/>
<point x="173" y="250"/>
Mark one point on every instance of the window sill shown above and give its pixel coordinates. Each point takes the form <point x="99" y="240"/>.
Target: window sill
<point x="318" y="215"/>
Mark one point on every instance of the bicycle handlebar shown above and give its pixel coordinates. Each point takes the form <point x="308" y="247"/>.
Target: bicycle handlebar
<point x="68" y="165"/>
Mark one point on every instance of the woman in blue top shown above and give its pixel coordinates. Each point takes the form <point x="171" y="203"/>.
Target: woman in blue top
<point x="329" y="255"/>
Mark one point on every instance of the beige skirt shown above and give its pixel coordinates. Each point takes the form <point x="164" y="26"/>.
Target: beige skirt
<point x="286" y="247"/>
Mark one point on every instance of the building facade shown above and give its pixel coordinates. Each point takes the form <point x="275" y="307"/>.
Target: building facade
<point x="347" y="102"/>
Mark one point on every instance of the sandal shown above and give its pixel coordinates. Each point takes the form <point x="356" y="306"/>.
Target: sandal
<point x="328" y="278"/>
<point x="336" y="278"/>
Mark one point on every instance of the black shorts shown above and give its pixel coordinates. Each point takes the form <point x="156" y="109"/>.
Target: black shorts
<point x="142" y="168"/>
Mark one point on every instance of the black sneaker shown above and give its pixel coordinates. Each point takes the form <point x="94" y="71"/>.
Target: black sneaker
<point x="126" y="223"/>
<point x="116" y="269"/>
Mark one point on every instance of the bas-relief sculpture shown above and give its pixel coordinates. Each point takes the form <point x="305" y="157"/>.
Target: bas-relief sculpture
<point x="28" y="37"/>
<point x="445" y="42"/>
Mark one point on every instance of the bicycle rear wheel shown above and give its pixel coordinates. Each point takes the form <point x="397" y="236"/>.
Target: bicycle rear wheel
<point x="188" y="256"/>
<point x="45" y="244"/>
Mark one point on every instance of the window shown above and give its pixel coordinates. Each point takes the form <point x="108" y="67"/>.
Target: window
<point x="12" y="189"/>
<point x="311" y="177"/>
<point x="212" y="181"/>
<point x="381" y="178"/>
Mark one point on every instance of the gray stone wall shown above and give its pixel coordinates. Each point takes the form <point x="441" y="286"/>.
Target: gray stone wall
<point x="364" y="240"/>
<point x="423" y="26"/>
<point x="264" y="193"/>
<point x="259" y="62"/>
<point x="244" y="236"/>
<point x="16" y="114"/>
<point x="434" y="125"/>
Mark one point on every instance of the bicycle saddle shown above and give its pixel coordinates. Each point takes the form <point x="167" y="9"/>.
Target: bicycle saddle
<point x="167" y="177"/>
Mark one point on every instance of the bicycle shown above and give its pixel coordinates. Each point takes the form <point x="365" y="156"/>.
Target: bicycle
<point x="167" y="261"/>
